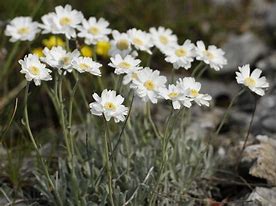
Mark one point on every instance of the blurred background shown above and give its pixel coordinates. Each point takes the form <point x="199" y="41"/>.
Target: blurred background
<point x="244" y="29"/>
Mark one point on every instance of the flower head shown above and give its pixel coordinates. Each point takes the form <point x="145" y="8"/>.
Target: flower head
<point x="148" y="83"/>
<point x="140" y="40"/>
<point x="110" y="105"/>
<point x="181" y="55"/>
<point x="253" y="81"/>
<point x="102" y="48"/>
<point x="64" y="20"/>
<point x="124" y="65"/>
<point x="120" y="44"/>
<point x="93" y="31"/>
<point x="22" y="29"/>
<point x="192" y="90"/>
<point x="212" y="56"/>
<point x="86" y="51"/>
<point x="86" y="64"/>
<point x="38" y="51"/>
<point x="176" y="95"/>
<point x="53" y="41"/>
<point x="34" y="69"/>
<point x="163" y="38"/>
<point x="59" y="58"/>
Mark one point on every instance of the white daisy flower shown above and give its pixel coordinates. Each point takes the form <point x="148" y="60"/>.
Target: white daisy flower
<point x="253" y="81"/>
<point x="86" y="64"/>
<point x="163" y="38"/>
<point x="120" y="44"/>
<point x="176" y="95"/>
<point x="48" y="25"/>
<point x="212" y="56"/>
<point x="148" y="83"/>
<point x="34" y="69"/>
<point x="22" y="29"/>
<point x="181" y="55"/>
<point x="192" y="89"/>
<point x="63" y="21"/>
<point x="124" y="65"/>
<point x="110" y="105"/>
<point x="59" y="58"/>
<point x="140" y="40"/>
<point x="129" y="77"/>
<point x="93" y="31"/>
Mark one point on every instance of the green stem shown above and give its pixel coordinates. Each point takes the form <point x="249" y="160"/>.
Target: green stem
<point x="173" y="75"/>
<point x="108" y="167"/>
<point x="247" y="134"/>
<point x="119" y="139"/>
<point x="154" y="127"/>
<point x="81" y="89"/>
<point x="165" y="141"/>
<point x="62" y="118"/>
<point x="9" y="59"/>
<point x="228" y="110"/>
<point x="202" y="72"/>
<point x="118" y="84"/>
<point x="27" y="124"/>
<point x="197" y="68"/>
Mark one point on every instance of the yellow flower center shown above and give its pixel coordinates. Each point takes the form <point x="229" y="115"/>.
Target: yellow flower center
<point x="149" y="85"/>
<point x="173" y="95"/>
<point x="122" y="44"/>
<point x="84" y="66"/>
<point x="94" y="30"/>
<point x="66" y="60"/>
<point x="209" y="54"/>
<point x="124" y="65"/>
<point x="23" y="30"/>
<point x="64" y="21"/>
<point x="250" y="82"/>
<point x="110" y="106"/>
<point x="180" y="52"/>
<point x="86" y="51"/>
<point x="163" y="39"/>
<point x="138" y="41"/>
<point x="34" y="70"/>
<point x="134" y="76"/>
<point x="194" y="92"/>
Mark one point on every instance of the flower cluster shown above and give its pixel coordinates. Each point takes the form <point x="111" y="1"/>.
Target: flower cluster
<point x="124" y="49"/>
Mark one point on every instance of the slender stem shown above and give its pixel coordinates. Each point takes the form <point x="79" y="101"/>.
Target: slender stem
<point x="118" y="84"/>
<point x="119" y="139"/>
<point x="108" y="168"/>
<point x="228" y="110"/>
<point x="247" y="134"/>
<point x="201" y="72"/>
<point x="154" y="127"/>
<point x="165" y="141"/>
<point x="62" y="118"/>
<point x="27" y="124"/>
<point x="197" y="68"/>
<point x="9" y="59"/>
<point x="75" y="75"/>
<point x="150" y="57"/>
<point x="173" y="75"/>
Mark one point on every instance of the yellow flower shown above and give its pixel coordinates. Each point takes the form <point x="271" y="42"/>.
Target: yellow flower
<point x="53" y="41"/>
<point x="102" y="48"/>
<point x="38" y="52"/>
<point x="86" y="51"/>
